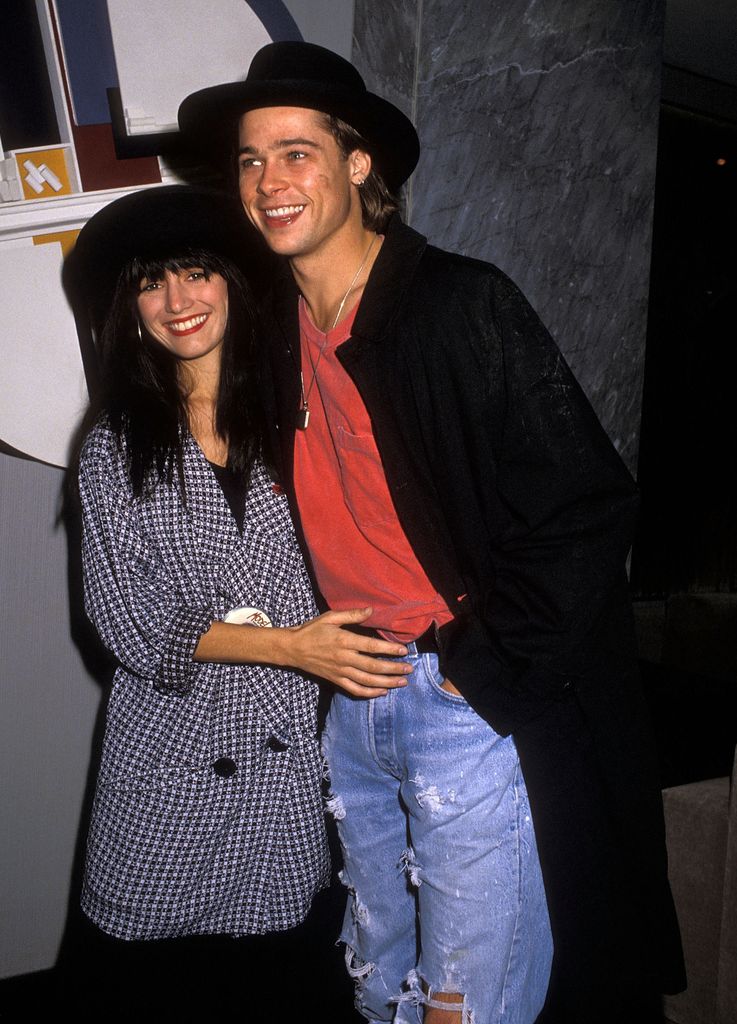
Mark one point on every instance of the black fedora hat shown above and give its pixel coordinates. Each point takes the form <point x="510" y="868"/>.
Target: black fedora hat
<point x="293" y="74"/>
<point x="158" y="223"/>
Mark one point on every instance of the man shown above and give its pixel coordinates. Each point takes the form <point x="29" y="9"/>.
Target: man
<point x="445" y="470"/>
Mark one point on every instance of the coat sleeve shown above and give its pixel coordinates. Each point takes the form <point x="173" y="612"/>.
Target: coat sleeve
<point x="549" y="604"/>
<point x="130" y="597"/>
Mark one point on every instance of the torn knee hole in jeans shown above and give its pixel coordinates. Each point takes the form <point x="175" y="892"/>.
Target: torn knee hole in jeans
<point x="419" y="993"/>
<point x="359" y="910"/>
<point x="358" y="968"/>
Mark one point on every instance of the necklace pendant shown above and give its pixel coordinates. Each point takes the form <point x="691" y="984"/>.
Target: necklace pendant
<point x="303" y="418"/>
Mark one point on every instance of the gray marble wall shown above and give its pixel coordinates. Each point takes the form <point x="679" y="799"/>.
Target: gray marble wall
<point x="538" y="120"/>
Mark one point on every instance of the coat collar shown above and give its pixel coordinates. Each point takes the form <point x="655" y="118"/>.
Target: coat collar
<point x="390" y="276"/>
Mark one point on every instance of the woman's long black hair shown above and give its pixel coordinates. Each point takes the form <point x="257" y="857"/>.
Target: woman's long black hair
<point x="141" y="391"/>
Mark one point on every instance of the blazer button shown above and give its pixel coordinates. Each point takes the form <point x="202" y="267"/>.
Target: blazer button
<point x="224" y="767"/>
<point x="276" y="745"/>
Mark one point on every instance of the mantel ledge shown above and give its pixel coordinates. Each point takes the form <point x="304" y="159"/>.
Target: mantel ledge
<point x="29" y="217"/>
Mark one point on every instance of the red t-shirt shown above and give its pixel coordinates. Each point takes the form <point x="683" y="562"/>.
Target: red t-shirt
<point x="359" y="550"/>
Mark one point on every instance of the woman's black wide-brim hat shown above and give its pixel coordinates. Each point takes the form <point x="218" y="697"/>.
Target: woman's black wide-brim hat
<point x="158" y="223"/>
<point x="293" y="74"/>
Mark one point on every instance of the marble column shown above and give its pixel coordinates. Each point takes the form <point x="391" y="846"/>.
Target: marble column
<point x="538" y="120"/>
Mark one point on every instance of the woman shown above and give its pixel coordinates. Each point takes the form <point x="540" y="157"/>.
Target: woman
<point x="207" y="815"/>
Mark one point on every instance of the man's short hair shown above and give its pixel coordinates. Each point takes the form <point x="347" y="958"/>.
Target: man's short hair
<point x="377" y="202"/>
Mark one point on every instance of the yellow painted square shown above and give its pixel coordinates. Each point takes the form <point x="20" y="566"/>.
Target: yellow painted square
<point x="66" y="240"/>
<point x="55" y="160"/>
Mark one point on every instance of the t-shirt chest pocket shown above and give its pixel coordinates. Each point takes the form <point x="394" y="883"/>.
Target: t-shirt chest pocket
<point x="362" y="476"/>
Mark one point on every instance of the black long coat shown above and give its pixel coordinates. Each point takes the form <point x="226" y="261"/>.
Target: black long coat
<point x="521" y="513"/>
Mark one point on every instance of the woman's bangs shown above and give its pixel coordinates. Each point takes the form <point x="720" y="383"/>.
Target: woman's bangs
<point x="153" y="270"/>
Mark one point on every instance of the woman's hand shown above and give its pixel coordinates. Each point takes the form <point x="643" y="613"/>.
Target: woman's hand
<point x="320" y="647"/>
<point x="346" y="659"/>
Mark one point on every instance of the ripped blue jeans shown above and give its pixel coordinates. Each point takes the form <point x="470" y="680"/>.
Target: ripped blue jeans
<point x="445" y="890"/>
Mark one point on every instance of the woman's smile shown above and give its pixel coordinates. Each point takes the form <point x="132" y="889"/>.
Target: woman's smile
<point x="188" y="326"/>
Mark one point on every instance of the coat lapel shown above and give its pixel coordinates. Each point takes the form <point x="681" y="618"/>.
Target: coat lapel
<point x="391" y="275"/>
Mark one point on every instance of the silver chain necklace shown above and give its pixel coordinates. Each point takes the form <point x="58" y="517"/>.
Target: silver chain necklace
<point x="303" y="413"/>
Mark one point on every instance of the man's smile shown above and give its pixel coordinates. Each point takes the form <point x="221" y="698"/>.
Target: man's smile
<point x="283" y="214"/>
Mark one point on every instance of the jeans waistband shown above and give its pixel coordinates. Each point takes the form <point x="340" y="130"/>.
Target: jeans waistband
<point x="427" y="643"/>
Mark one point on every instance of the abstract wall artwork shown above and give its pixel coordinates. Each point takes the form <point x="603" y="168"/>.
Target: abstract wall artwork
<point x="89" y="91"/>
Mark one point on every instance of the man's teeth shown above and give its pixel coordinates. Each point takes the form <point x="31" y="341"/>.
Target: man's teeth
<point x="284" y="211"/>
<point x="187" y="325"/>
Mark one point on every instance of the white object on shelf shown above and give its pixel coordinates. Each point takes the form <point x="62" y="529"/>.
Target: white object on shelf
<point x="48" y="175"/>
<point x="34" y="176"/>
<point x="11" y="189"/>
<point x="34" y="183"/>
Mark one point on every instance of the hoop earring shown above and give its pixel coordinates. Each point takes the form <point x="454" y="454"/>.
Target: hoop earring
<point x="138" y="325"/>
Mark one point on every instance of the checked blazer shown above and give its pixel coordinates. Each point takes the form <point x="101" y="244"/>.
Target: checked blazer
<point x="207" y="815"/>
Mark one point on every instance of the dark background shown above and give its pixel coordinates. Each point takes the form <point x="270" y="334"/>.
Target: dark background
<point x="687" y="468"/>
